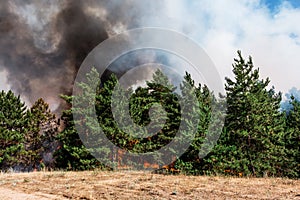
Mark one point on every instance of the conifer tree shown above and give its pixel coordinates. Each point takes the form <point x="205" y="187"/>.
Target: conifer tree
<point x="252" y="140"/>
<point x="72" y="154"/>
<point x="106" y="119"/>
<point x="189" y="161"/>
<point x="12" y="130"/>
<point x="40" y="137"/>
<point x="292" y="140"/>
<point x="152" y="120"/>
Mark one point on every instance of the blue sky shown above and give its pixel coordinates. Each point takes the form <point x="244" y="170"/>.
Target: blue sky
<point x="273" y="5"/>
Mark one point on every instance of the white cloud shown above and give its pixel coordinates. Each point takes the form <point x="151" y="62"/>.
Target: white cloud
<point x="222" y="27"/>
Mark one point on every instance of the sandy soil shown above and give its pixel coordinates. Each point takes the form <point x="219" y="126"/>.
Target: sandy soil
<point x="140" y="185"/>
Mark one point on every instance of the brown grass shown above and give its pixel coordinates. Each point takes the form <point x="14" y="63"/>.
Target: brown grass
<point x="142" y="185"/>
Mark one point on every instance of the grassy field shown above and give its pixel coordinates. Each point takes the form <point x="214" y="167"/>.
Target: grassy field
<point x="140" y="185"/>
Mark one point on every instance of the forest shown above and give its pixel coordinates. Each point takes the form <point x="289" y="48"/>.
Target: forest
<point x="258" y="139"/>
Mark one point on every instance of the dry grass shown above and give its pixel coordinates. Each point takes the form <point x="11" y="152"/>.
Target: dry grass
<point x="142" y="185"/>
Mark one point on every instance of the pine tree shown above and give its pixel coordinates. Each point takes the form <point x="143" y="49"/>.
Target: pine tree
<point x="72" y="154"/>
<point x="152" y="120"/>
<point x="252" y="140"/>
<point x="162" y="92"/>
<point x="292" y="140"/>
<point x="106" y="119"/>
<point x="12" y="130"/>
<point x="189" y="161"/>
<point x="210" y="115"/>
<point x="40" y="137"/>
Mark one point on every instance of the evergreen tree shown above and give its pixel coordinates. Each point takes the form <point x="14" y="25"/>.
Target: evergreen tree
<point x="152" y="120"/>
<point x="106" y="119"/>
<point x="210" y="116"/>
<point x="12" y="130"/>
<point x="252" y="140"/>
<point x="162" y="92"/>
<point x="40" y="137"/>
<point x="72" y="154"/>
<point x="292" y="140"/>
<point x="189" y="161"/>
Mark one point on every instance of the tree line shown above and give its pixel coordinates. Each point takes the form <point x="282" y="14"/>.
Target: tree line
<point x="258" y="138"/>
<point x="27" y="136"/>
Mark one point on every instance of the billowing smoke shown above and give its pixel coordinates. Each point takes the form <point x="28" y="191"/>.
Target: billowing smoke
<point x="43" y="43"/>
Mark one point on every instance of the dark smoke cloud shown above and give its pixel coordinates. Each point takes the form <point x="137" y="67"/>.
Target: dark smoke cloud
<point x="42" y="43"/>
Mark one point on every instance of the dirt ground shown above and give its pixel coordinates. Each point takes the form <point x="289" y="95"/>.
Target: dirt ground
<point x="140" y="185"/>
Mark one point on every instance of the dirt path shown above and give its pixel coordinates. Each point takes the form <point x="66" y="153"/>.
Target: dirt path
<point x="93" y="185"/>
<point x="8" y="194"/>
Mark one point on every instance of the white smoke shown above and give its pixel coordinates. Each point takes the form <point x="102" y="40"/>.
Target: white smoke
<point x="221" y="27"/>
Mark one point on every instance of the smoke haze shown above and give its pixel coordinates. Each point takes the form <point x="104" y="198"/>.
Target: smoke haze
<point x="43" y="43"/>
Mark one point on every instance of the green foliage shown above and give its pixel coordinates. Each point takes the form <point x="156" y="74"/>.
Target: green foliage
<point x="72" y="153"/>
<point x="257" y="139"/>
<point x="189" y="162"/>
<point x="25" y="135"/>
<point x="292" y="140"/>
<point x="40" y="135"/>
<point x="252" y="140"/>
<point x="127" y="128"/>
<point x="12" y="130"/>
